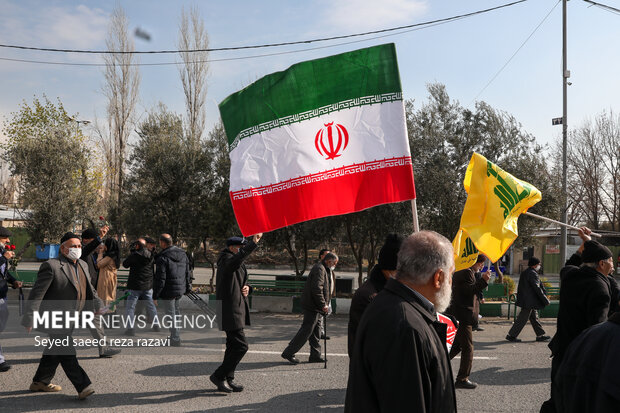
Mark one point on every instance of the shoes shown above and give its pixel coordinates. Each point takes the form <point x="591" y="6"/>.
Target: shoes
<point x="221" y="385"/>
<point x="478" y="329"/>
<point x="324" y="337"/>
<point x="38" y="386"/>
<point x="175" y="343"/>
<point x="234" y="386"/>
<point x="130" y="332"/>
<point x="109" y="353"/>
<point x="5" y="366"/>
<point x="291" y="359"/>
<point x="85" y="393"/>
<point x="543" y="338"/>
<point x="513" y="339"/>
<point x="318" y="359"/>
<point x="465" y="384"/>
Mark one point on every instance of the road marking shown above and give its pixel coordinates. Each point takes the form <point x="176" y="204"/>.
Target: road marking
<point x="271" y="352"/>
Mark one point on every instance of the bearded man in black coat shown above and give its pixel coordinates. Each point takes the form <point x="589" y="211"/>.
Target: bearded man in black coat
<point x="232" y="292"/>
<point x="400" y="361"/>
<point x="585" y="298"/>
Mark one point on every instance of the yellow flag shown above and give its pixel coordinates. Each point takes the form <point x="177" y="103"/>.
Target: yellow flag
<point x="494" y="202"/>
<point x="465" y="252"/>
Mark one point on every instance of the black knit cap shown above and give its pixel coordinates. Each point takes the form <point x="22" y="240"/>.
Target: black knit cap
<point x="150" y="240"/>
<point x="235" y="241"/>
<point x="4" y="232"/>
<point x="89" y="233"/>
<point x="388" y="255"/>
<point x="594" y="251"/>
<point x="533" y="261"/>
<point x="68" y="236"/>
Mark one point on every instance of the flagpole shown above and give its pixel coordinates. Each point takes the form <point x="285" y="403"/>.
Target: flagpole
<point x="414" y="210"/>
<point x="594" y="234"/>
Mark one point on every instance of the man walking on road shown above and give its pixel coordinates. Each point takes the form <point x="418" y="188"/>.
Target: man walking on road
<point x="465" y="308"/>
<point x="314" y="302"/>
<point x="5" y="280"/>
<point x="531" y="297"/>
<point x="172" y="280"/>
<point x="232" y="292"/>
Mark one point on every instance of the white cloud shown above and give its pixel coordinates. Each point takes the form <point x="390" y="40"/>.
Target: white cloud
<point x="351" y="15"/>
<point x="63" y="27"/>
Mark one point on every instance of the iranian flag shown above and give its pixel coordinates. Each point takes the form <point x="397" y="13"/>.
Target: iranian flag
<point x="324" y="137"/>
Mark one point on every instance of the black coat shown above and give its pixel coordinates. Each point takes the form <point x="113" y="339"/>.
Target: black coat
<point x="231" y="276"/>
<point x="464" y="305"/>
<point x="531" y="292"/>
<point x="400" y="362"/>
<point x="588" y="379"/>
<point x="172" y="278"/>
<point x="140" y="264"/>
<point x="584" y="301"/>
<point x="362" y="297"/>
<point x="316" y="294"/>
<point x="5" y="277"/>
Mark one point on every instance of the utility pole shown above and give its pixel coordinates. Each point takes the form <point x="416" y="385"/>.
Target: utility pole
<point x="565" y="76"/>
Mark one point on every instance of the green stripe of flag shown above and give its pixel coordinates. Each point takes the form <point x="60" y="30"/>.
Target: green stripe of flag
<point x="310" y="85"/>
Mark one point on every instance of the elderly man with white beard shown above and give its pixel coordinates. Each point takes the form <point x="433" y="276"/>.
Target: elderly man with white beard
<point x="400" y="361"/>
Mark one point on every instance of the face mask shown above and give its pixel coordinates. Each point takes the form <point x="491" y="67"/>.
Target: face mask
<point x="74" y="254"/>
<point x="2" y="245"/>
<point x="333" y="267"/>
<point x="537" y="268"/>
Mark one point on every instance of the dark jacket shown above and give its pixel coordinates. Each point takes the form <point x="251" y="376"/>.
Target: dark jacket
<point x="140" y="264"/>
<point x="400" y="362"/>
<point x="584" y="301"/>
<point x="171" y="274"/>
<point x="89" y="257"/>
<point x="531" y="292"/>
<point x="56" y="290"/>
<point x="5" y="277"/>
<point x="464" y="305"/>
<point x="231" y="276"/>
<point x="362" y="297"/>
<point x="588" y="380"/>
<point x="316" y="295"/>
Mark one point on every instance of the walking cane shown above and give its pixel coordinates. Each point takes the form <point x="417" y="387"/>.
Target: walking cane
<point x="325" y="337"/>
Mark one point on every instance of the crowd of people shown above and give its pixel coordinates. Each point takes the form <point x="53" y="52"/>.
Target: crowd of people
<point x="397" y="343"/>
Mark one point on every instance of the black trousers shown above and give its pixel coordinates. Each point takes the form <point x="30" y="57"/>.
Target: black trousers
<point x="236" y="347"/>
<point x="463" y="343"/>
<point x="524" y="315"/>
<point x="67" y="358"/>
<point x="309" y="331"/>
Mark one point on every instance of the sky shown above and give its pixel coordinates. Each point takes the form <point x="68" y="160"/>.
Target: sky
<point x="464" y="55"/>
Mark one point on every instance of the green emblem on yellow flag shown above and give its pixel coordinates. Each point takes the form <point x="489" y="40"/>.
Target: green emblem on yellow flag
<point x="494" y="202"/>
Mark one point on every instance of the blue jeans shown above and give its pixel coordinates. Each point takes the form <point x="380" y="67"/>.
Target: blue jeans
<point x="132" y="300"/>
<point x="4" y="316"/>
<point x="171" y="306"/>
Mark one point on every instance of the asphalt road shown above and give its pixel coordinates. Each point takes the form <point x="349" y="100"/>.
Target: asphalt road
<point x="511" y="377"/>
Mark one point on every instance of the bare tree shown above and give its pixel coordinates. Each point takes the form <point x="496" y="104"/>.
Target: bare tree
<point x="193" y="36"/>
<point x="122" y="81"/>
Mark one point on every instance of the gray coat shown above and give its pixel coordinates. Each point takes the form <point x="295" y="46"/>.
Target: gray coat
<point x="531" y="293"/>
<point x="316" y="294"/>
<point x="55" y="289"/>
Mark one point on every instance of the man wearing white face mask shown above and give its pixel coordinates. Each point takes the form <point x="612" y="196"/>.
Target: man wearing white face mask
<point x="62" y="284"/>
<point x="315" y="303"/>
<point x="531" y="297"/>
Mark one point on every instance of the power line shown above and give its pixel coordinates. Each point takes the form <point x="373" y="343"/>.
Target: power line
<point x="43" y="49"/>
<point x="515" y="53"/>
<point x="231" y="58"/>
<point x="604" y="7"/>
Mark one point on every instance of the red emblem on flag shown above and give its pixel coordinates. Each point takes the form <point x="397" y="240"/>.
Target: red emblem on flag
<point x="331" y="140"/>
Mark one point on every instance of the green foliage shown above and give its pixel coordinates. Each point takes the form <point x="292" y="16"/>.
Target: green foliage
<point x="47" y="151"/>
<point x="443" y="135"/>
<point x="509" y="282"/>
